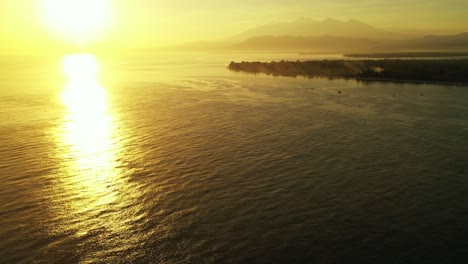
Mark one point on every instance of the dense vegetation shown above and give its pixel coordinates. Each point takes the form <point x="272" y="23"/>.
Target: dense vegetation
<point x="407" y="55"/>
<point x="453" y="71"/>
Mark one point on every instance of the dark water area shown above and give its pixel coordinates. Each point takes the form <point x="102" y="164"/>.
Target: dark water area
<point x="182" y="161"/>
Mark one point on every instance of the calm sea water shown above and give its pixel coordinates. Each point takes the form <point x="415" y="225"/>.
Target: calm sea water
<point x="181" y="161"/>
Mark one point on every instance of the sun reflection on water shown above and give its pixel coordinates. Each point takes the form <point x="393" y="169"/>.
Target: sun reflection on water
<point x="90" y="128"/>
<point x="90" y="125"/>
<point x="92" y="186"/>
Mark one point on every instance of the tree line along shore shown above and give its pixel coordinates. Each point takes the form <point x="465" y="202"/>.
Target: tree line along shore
<point x="431" y="71"/>
<point x="395" y="55"/>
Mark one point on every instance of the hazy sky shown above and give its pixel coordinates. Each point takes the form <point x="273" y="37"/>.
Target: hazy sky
<point x="156" y="22"/>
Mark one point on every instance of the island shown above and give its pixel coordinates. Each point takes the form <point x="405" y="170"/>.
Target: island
<point x="451" y="71"/>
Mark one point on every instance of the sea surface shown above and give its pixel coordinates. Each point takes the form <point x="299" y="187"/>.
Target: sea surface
<point x="175" y="159"/>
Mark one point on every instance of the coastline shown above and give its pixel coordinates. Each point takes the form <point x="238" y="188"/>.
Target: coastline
<point x="410" y="81"/>
<point x="443" y="72"/>
<point x="416" y="55"/>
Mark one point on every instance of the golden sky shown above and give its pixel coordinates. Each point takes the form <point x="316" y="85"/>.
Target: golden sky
<point x="25" y="26"/>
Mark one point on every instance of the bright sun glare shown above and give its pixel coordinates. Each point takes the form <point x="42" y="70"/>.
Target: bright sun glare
<point x="87" y="102"/>
<point x="89" y="132"/>
<point x="77" y="20"/>
<point x="83" y="93"/>
<point x="79" y="68"/>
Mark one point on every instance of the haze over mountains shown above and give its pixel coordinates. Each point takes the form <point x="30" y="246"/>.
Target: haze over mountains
<point x="307" y="43"/>
<point x="307" y="27"/>
<point x="329" y="35"/>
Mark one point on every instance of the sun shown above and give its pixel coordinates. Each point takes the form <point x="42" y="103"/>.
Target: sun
<point x="77" y="20"/>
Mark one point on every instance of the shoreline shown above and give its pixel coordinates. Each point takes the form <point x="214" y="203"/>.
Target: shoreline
<point x="411" y="81"/>
<point x="410" y="55"/>
<point x="442" y="72"/>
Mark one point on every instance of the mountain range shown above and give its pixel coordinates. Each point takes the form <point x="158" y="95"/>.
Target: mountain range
<point x="329" y="35"/>
<point x="307" y="27"/>
<point x="308" y="43"/>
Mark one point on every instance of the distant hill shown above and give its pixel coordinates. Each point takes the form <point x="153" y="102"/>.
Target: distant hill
<point x="450" y="42"/>
<point x="307" y="27"/>
<point x="293" y="43"/>
<point x="330" y="36"/>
